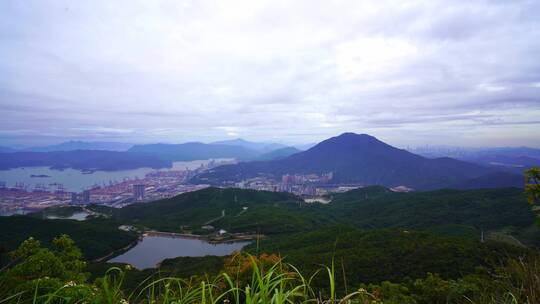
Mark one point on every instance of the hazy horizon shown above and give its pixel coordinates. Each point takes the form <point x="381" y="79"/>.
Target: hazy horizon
<point x="300" y="145"/>
<point x="411" y="74"/>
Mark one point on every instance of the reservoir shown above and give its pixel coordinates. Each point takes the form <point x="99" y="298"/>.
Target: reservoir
<point x="78" y="216"/>
<point x="154" y="249"/>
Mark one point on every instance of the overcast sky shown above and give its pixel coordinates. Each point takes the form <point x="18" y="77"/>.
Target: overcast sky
<point x="409" y="72"/>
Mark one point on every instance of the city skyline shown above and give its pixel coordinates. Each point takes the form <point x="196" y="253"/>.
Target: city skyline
<point x="411" y="74"/>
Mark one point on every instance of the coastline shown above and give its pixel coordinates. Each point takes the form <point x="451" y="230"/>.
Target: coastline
<point x="231" y="238"/>
<point x="118" y="251"/>
<point x="207" y="238"/>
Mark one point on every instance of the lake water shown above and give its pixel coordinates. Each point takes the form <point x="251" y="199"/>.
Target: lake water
<point x="154" y="249"/>
<point x="78" y="216"/>
<point x="73" y="180"/>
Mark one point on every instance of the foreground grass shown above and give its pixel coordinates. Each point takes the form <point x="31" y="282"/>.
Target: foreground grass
<point x="266" y="279"/>
<point x="56" y="275"/>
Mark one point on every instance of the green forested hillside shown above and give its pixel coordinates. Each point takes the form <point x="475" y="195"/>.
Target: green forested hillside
<point x="456" y="212"/>
<point x="387" y="254"/>
<point x="96" y="238"/>
<point x="371" y="234"/>
<point x="464" y="213"/>
<point x="58" y="274"/>
<point x="360" y="256"/>
<point x="265" y="211"/>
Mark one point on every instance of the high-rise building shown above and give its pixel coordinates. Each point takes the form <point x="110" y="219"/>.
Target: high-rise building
<point x="86" y="196"/>
<point x="74" y="198"/>
<point x="287" y="179"/>
<point x="138" y="191"/>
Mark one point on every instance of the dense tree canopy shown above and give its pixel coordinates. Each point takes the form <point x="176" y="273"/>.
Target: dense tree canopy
<point x="532" y="185"/>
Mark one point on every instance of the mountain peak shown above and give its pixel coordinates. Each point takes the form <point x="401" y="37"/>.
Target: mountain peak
<point x="355" y="135"/>
<point x="358" y="159"/>
<point x="352" y="139"/>
<point x="239" y="140"/>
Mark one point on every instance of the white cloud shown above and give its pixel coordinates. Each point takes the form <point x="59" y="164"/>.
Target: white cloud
<point x="298" y="70"/>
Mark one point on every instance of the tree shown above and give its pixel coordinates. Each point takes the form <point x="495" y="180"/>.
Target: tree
<point x="35" y="271"/>
<point x="532" y="185"/>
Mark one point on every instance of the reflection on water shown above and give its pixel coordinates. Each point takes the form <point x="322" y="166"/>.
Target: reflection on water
<point x="154" y="249"/>
<point x="79" y="216"/>
<point x="71" y="179"/>
<point x="77" y="181"/>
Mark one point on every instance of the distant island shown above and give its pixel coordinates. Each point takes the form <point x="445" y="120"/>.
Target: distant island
<point x="39" y="175"/>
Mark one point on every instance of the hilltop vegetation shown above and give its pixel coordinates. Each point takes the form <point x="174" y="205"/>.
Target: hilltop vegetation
<point x="245" y="211"/>
<point x="388" y="254"/>
<point x="96" y="237"/>
<point x="464" y="213"/>
<point x="457" y="212"/>
<point x="372" y="234"/>
<point x="361" y="256"/>
<point x="56" y="275"/>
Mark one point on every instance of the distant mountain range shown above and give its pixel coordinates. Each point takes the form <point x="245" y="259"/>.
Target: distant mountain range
<point x="510" y="159"/>
<point x="82" y="160"/>
<point x="279" y="153"/>
<point x="82" y="145"/>
<point x="100" y="155"/>
<point x="239" y="149"/>
<point x="7" y="150"/>
<point x="466" y="153"/>
<point x="256" y="146"/>
<point x="195" y="151"/>
<point x="72" y="146"/>
<point x="353" y="158"/>
<point x="304" y="147"/>
<point x="363" y="159"/>
<point x="515" y="164"/>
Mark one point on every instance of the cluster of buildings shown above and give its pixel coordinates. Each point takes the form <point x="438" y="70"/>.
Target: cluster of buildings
<point x="151" y="187"/>
<point x="299" y="184"/>
<point x="155" y="185"/>
<point x="311" y="186"/>
<point x="161" y="184"/>
<point x="19" y="201"/>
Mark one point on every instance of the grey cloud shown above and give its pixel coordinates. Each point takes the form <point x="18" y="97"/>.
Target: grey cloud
<point x="299" y="70"/>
